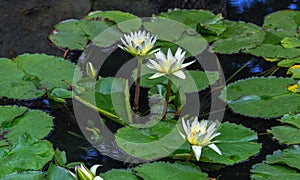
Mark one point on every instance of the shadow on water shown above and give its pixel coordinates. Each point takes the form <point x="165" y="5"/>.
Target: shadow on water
<point x="67" y="135"/>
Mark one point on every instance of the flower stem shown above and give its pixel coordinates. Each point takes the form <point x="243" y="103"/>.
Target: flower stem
<point x="167" y="99"/>
<point x="137" y="87"/>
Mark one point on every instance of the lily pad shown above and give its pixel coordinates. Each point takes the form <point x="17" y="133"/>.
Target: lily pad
<point x="262" y="97"/>
<point x="291" y="119"/>
<point x="21" y="120"/>
<point x="238" y="36"/>
<point x="286" y="134"/>
<point x="160" y="140"/>
<point x="125" y="21"/>
<point x="281" y="165"/>
<point x="118" y="174"/>
<point x="110" y="96"/>
<point x="75" y="34"/>
<point x="28" y="153"/>
<point x="57" y="172"/>
<point x="174" y="171"/>
<point x="32" y="75"/>
<point x="25" y="175"/>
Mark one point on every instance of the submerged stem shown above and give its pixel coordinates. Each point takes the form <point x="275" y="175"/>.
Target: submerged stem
<point x="137" y="87"/>
<point x="167" y="99"/>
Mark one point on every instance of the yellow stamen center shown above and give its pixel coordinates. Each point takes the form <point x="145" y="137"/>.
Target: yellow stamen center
<point x="138" y="42"/>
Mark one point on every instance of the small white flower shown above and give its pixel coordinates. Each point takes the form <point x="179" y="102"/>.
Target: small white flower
<point x="169" y="64"/>
<point x="83" y="173"/>
<point x="200" y="135"/>
<point x="138" y="43"/>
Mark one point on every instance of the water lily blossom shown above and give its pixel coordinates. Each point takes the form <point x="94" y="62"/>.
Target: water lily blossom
<point x="138" y="43"/>
<point x="169" y="64"/>
<point x="200" y="134"/>
<point x="83" y="173"/>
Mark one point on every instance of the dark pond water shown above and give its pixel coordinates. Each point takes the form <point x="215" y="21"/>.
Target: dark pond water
<point x="67" y="135"/>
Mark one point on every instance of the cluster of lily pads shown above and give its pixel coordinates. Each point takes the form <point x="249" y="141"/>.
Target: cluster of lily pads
<point x="24" y="152"/>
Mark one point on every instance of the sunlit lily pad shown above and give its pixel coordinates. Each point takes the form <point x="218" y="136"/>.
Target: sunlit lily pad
<point x="75" y="34"/>
<point x="174" y="171"/>
<point x="32" y="75"/>
<point x="125" y="21"/>
<point x="28" y="153"/>
<point x="238" y="36"/>
<point x="281" y="165"/>
<point x="202" y="20"/>
<point x="262" y="97"/>
<point x="21" y="120"/>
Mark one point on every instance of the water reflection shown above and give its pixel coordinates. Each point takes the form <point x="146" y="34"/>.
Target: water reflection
<point x="241" y="5"/>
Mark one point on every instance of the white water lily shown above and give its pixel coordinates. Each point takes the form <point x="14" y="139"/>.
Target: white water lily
<point x="138" y="43"/>
<point x="83" y="173"/>
<point x="169" y="64"/>
<point x="199" y="134"/>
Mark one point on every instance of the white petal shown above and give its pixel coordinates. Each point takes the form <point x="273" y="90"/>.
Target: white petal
<point x="184" y="125"/>
<point x="156" y="75"/>
<point x="98" y="178"/>
<point x="215" y="148"/>
<point x="187" y="64"/>
<point x="179" y="74"/>
<point x="94" y="169"/>
<point x="197" y="151"/>
<point x="169" y="54"/>
<point x="154" y="64"/>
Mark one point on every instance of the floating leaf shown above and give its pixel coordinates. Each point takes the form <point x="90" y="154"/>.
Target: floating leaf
<point x="209" y="23"/>
<point x="262" y="97"/>
<point x="281" y="165"/>
<point x="160" y="140"/>
<point x="125" y="21"/>
<point x="27" y="154"/>
<point x="75" y="34"/>
<point x="57" y="172"/>
<point x="118" y="174"/>
<point x="31" y="75"/>
<point x="174" y="171"/>
<point x="282" y="24"/>
<point x="110" y="96"/>
<point x="291" y="119"/>
<point x="286" y="134"/>
<point x="25" y="175"/>
<point x="34" y="122"/>
<point x="236" y="142"/>
<point x="290" y="42"/>
<point x="264" y="171"/>
<point x="238" y="36"/>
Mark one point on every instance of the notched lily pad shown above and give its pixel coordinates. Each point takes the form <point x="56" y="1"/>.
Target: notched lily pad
<point x="261" y="97"/>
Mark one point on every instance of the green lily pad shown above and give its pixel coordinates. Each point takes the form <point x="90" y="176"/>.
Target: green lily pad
<point x="110" y="96"/>
<point x="262" y="97"/>
<point x="280" y="165"/>
<point x="174" y="171"/>
<point x="75" y="34"/>
<point x="21" y="120"/>
<point x="282" y="24"/>
<point x="125" y="21"/>
<point x="290" y="42"/>
<point x="57" y="172"/>
<point x="291" y="119"/>
<point x="286" y="134"/>
<point x="28" y="153"/>
<point x="118" y="174"/>
<point x="32" y="75"/>
<point x="25" y="175"/>
<point x="238" y="36"/>
<point x="264" y="171"/>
